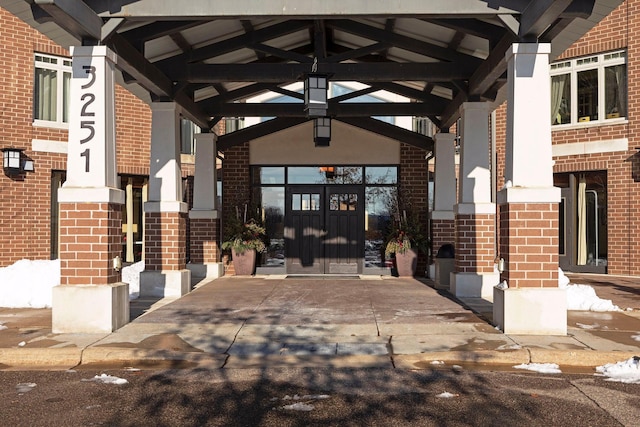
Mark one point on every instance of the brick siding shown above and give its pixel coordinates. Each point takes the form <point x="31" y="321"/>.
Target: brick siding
<point x="90" y="237"/>
<point x="529" y="244"/>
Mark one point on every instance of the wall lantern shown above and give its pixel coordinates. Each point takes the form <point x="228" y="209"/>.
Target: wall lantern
<point x="315" y="95"/>
<point x="13" y="163"/>
<point x="322" y="131"/>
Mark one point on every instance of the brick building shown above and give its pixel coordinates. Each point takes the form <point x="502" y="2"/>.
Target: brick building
<point x="596" y="143"/>
<point x="127" y="185"/>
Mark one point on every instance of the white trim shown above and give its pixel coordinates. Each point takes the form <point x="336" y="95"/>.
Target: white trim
<point x="590" y="124"/>
<point x="443" y="215"/>
<point x="590" y="147"/>
<point x="528" y="195"/>
<point x="203" y="214"/>
<point x="90" y="194"/>
<point x="166" y="206"/>
<point x="49" y="124"/>
<point x="46" y="146"/>
<point x="475" y="209"/>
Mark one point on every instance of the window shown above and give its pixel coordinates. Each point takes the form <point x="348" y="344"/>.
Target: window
<point x="589" y="89"/>
<point x="188" y="131"/>
<point x="423" y="126"/>
<point x="51" y="90"/>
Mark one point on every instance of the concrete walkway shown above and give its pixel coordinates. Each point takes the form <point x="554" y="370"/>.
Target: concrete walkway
<point x="270" y="321"/>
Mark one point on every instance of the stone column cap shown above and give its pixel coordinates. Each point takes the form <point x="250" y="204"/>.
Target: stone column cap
<point x="165" y="206"/>
<point x="204" y="214"/>
<point x="443" y="215"/>
<point x="90" y="194"/>
<point x="529" y="195"/>
<point x="475" y="208"/>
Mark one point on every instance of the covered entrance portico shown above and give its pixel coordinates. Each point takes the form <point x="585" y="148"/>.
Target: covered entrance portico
<point x="202" y="62"/>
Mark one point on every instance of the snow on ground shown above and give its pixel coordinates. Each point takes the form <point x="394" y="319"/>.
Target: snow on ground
<point x="107" y="379"/>
<point x="446" y="395"/>
<point x="627" y="371"/>
<point x="28" y="284"/>
<point x="131" y="275"/>
<point x="545" y="368"/>
<point x="583" y="297"/>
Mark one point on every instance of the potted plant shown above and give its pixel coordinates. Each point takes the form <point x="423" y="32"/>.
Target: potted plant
<point x="244" y="238"/>
<point x="404" y="241"/>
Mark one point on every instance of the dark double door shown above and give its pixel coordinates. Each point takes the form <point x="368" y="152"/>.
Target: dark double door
<point x="324" y="229"/>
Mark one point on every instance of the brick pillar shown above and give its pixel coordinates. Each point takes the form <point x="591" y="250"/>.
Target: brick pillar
<point x="165" y="213"/>
<point x="90" y="238"/>
<point x="205" y="222"/>
<point x="532" y="303"/>
<point x="443" y="217"/>
<point x="414" y="181"/>
<point x="475" y="247"/>
<point x="236" y="188"/>
<point x="91" y="297"/>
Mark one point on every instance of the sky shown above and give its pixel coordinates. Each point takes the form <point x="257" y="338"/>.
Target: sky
<point x="28" y="284"/>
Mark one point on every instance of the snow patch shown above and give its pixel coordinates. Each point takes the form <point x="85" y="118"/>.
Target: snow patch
<point x="131" y="275"/>
<point x="107" y="379"/>
<point x="583" y="297"/>
<point x="25" y="387"/>
<point x="28" y="284"/>
<point x="446" y="395"/>
<point x="544" y="368"/>
<point x="299" y="406"/>
<point x="626" y="371"/>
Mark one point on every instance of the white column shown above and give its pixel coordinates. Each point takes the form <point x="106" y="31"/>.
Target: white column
<point x="474" y="203"/>
<point x="205" y="209"/>
<point x="529" y="182"/>
<point x="165" y="173"/>
<point x="444" y="200"/>
<point x="444" y="197"/>
<point x="161" y="277"/>
<point x="475" y="168"/>
<point x="91" y="157"/>
<point x="205" y="184"/>
<point x="529" y="161"/>
<point x="91" y="297"/>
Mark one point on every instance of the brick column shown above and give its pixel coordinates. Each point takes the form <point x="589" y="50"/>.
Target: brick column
<point x="91" y="297"/>
<point x="205" y="221"/>
<point x="414" y="180"/>
<point x="165" y="213"/>
<point x="532" y="303"/>
<point x="475" y="247"/>
<point x="444" y="199"/>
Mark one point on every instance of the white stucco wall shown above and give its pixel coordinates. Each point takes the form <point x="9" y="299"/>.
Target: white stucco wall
<point x="349" y="146"/>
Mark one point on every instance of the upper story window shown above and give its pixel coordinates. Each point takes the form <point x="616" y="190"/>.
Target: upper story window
<point x="588" y="89"/>
<point x="51" y="90"/>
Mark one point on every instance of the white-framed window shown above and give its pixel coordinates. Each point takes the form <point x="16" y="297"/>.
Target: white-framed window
<point x="51" y="90"/>
<point x="589" y="89"/>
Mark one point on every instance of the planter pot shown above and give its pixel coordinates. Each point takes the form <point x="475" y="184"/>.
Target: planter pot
<point x="244" y="264"/>
<point x="406" y="263"/>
